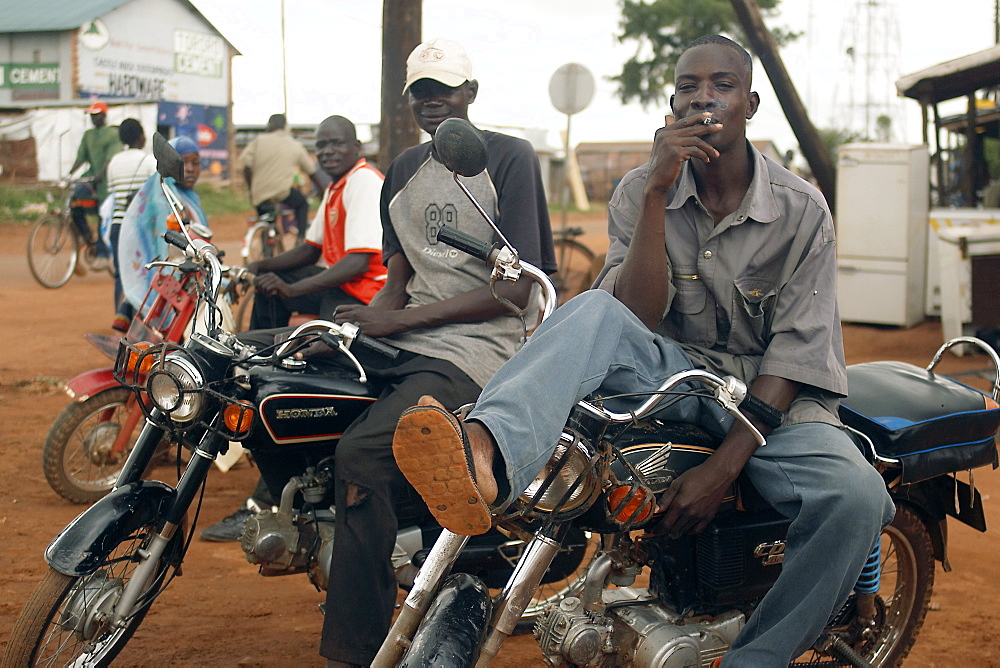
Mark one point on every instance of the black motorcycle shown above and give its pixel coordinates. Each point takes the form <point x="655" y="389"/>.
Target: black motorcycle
<point x="650" y="599"/>
<point x="110" y="564"/>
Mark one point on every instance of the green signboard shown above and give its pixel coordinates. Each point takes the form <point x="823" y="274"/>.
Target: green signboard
<point x="29" y="76"/>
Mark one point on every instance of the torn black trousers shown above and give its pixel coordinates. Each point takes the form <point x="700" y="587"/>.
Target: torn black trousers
<point x="362" y="590"/>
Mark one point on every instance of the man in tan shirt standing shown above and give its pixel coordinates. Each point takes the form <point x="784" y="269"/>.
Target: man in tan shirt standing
<point x="269" y="165"/>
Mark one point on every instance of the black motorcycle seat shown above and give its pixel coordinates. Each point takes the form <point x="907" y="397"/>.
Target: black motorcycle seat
<point x="931" y="423"/>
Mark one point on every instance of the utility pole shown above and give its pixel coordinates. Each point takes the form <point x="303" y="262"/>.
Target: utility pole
<point x="813" y="148"/>
<point x="401" y="28"/>
<point x="284" y="65"/>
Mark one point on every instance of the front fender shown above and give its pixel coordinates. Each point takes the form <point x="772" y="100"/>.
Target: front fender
<point x="89" y="383"/>
<point x="83" y="545"/>
<point x="453" y="629"/>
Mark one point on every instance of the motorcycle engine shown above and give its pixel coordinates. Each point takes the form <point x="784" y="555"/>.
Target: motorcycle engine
<point x="633" y="632"/>
<point x="283" y="545"/>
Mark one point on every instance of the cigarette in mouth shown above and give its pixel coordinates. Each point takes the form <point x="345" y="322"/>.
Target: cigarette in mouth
<point x="709" y="121"/>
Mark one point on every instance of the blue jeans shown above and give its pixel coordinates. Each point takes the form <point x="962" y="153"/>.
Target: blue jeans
<point x="812" y="472"/>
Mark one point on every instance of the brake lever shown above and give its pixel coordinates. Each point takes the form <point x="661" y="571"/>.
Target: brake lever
<point x="162" y="263"/>
<point x="729" y="396"/>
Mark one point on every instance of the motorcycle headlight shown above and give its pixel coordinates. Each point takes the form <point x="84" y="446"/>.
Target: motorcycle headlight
<point x="568" y="481"/>
<point x="174" y="386"/>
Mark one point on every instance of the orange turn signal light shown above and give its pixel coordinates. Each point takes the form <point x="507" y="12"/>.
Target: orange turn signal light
<point x="133" y="358"/>
<point x="624" y="514"/>
<point x="238" y="417"/>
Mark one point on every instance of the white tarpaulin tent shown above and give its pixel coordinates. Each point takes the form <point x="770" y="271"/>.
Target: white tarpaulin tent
<point x="58" y="130"/>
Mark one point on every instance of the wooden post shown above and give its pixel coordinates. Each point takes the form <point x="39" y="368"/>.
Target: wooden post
<point x="969" y="154"/>
<point x="942" y="182"/>
<point x="401" y="28"/>
<point x="813" y="148"/>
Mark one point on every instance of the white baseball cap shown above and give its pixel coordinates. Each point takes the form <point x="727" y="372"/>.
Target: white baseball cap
<point x="439" y="59"/>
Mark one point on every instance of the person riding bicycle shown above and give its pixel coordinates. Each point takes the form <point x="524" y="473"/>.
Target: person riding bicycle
<point x="345" y="235"/>
<point x="270" y="163"/>
<point x="99" y="143"/>
<point x="719" y="259"/>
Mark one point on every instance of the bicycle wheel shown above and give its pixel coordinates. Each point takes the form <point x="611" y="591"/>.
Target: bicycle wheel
<point x="575" y="273"/>
<point x="242" y="316"/>
<point x="262" y="242"/>
<point x="53" y="251"/>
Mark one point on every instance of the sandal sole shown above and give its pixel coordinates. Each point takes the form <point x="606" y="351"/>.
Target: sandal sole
<point x="431" y="453"/>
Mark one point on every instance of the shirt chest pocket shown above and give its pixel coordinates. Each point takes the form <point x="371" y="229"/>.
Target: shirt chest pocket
<point x="691" y="294"/>
<point x="752" y="313"/>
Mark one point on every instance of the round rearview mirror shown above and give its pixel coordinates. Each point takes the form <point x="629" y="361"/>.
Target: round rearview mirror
<point x="168" y="160"/>
<point x="460" y="146"/>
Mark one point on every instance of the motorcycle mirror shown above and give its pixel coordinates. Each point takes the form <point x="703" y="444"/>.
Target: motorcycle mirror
<point x="168" y="160"/>
<point x="461" y="147"/>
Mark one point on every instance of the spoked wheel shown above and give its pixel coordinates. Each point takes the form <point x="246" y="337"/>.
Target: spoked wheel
<point x="565" y="575"/>
<point x="66" y="619"/>
<point x="78" y="456"/>
<point x="575" y="268"/>
<point x="264" y="241"/>
<point x="901" y="604"/>
<point x="242" y="316"/>
<point x="53" y="251"/>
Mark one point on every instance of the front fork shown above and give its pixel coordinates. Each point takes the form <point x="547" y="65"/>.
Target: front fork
<point x="517" y="593"/>
<point x="439" y="561"/>
<point x="188" y="486"/>
<point x="507" y="609"/>
<point x="140" y="456"/>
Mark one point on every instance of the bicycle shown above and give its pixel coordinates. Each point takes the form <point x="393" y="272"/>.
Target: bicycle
<point x="575" y="261"/>
<point x="264" y="239"/>
<point x="55" y="245"/>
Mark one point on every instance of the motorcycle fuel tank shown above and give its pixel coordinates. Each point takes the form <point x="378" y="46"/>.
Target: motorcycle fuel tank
<point x="304" y="406"/>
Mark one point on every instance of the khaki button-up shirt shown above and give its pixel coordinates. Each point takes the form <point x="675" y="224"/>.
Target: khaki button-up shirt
<point x="754" y="294"/>
<point x="274" y="157"/>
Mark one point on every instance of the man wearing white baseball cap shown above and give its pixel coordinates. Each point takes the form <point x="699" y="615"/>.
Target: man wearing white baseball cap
<point x="439" y="59"/>
<point x="437" y="308"/>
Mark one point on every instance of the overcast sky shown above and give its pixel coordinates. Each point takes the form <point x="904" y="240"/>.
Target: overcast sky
<point x="334" y="46"/>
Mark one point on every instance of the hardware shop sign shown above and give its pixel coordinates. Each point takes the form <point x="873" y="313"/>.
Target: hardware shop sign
<point x="185" y="65"/>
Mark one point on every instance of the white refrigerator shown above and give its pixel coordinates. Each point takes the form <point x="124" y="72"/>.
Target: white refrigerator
<point x="881" y="220"/>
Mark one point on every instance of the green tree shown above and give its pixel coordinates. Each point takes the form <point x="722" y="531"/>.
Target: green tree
<point x="662" y="28"/>
<point x="832" y="138"/>
<point x="883" y="128"/>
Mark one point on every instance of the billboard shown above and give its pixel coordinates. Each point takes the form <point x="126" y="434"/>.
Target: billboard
<point x="178" y="57"/>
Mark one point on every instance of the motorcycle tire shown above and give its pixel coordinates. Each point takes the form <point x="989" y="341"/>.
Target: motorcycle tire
<point x="76" y="457"/>
<point x="905" y="595"/>
<point x="61" y="623"/>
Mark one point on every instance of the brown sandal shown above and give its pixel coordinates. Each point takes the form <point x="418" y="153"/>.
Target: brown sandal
<point x="432" y="450"/>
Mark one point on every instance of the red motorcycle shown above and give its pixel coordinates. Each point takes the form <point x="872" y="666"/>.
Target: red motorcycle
<point x="89" y="442"/>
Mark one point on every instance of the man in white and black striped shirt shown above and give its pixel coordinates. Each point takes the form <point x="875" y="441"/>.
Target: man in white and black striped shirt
<point x="127" y="171"/>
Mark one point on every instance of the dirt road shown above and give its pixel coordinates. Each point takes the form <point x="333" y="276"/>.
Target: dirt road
<point x="220" y="612"/>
